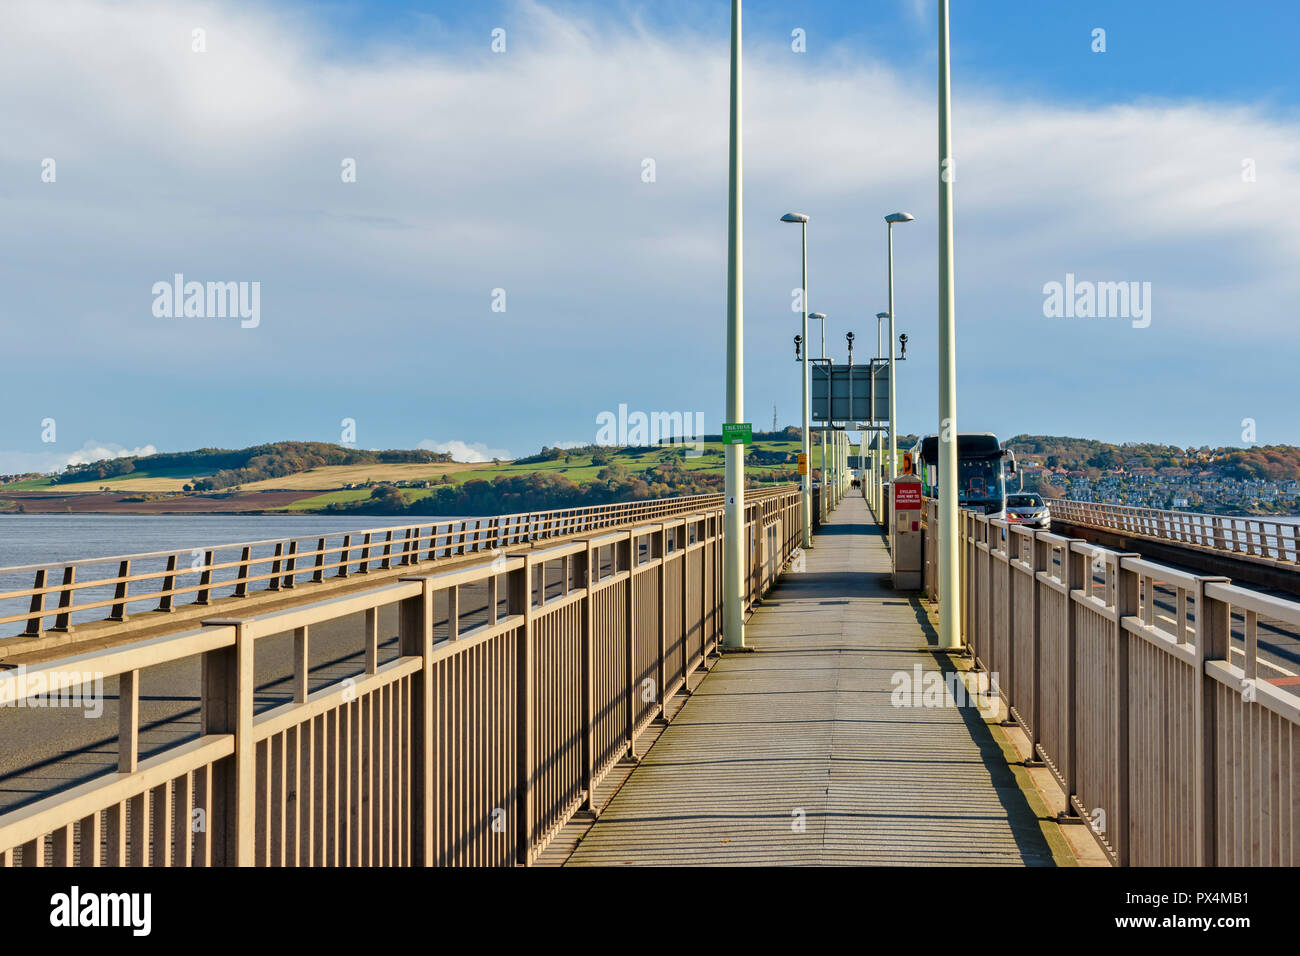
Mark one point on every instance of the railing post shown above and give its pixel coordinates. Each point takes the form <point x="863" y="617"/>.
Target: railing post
<point x="345" y="556"/>
<point x="63" y="621"/>
<point x="1012" y="553"/>
<point x="1213" y="640"/>
<point x="120" y="592"/>
<point x="227" y="708"/>
<point x="520" y="596"/>
<point x="1073" y="569"/>
<point x="629" y="561"/>
<point x="661" y="548"/>
<point x="274" y="583"/>
<point x="1126" y="605"/>
<point x="128" y="722"/>
<point x="241" y="584"/>
<point x="415" y="632"/>
<point x="205" y="580"/>
<point x="37" y="607"/>
<point x="290" y="566"/>
<point x="1040" y="553"/>
<point x="165" y="603"/>
<point x="588" y="682"/>
<point x="318" y="574"/>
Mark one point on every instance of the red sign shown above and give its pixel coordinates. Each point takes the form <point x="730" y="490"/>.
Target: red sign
<point x="907" y="496"/>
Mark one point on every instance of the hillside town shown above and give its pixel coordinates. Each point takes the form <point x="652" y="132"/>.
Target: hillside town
<point x="1171" y="487"/>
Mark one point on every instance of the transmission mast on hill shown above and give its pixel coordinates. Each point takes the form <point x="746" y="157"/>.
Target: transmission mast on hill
<point x="773" y="416"/>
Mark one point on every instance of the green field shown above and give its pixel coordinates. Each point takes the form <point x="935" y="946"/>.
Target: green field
<point x="330" y="480"/>
<point x="581" y="469"/>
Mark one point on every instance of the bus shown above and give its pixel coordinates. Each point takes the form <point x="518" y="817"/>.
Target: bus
<point x="983" y="466"/>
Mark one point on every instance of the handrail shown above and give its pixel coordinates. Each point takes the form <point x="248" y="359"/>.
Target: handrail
<point x="1248" y="536"/>
<point x="64" y="591"/>
<point x="1140" y="687"/>
<point x="473" y="745"/>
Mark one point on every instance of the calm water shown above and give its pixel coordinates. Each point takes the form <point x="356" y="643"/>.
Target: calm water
<point x="41" y="539"/>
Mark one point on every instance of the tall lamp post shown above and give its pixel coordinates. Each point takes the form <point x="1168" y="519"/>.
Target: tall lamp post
<point x="949" y="632"/>
<point x="875" y="458"/>
<point x="821" y="439"/>
<point x="892" y="218"/>
<point x="805" y="480"/>
<point x="733" y="600"/>
<point x="846" y="446"/>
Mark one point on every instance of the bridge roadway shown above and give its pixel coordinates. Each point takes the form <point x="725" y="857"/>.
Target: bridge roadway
<point x="795" y="754"/>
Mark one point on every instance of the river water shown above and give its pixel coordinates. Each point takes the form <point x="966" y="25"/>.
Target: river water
<point x="47" y="539"/>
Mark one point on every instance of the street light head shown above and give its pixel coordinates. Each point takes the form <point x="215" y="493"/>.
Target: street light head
<point x="819" y="316"/>
<point x="794" y="217"/>
<point x="899" y="217"/>
<point x="882" y="315"/>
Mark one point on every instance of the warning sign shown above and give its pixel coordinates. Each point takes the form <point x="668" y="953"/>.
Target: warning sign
<point x="907" y="496"/>
<point x="803" y="464"/>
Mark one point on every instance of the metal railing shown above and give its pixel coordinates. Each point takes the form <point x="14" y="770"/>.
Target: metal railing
<point x="472" y="745"/>
<point x="1121" y="671"/>
<point x="1256" y="538"/>
<point x="66" y="593"/>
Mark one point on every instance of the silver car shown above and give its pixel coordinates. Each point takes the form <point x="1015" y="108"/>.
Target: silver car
<point x="1029" y="510"/>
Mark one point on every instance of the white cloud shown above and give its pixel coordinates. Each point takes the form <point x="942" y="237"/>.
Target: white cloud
<point x="522" y="171"/>
<point x="466" y="451"/>
<point x="21" y="463"/>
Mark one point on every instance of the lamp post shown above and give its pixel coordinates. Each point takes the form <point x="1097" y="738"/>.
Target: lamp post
<point x="875" y="454"/>
<point x="733" y="576"/>
<point x="844" y="444"/>
<point x="892" y="218"/>
<point x="821" y="317"/>
<point x="805" y="480"/>
<point x="949" y="632"/>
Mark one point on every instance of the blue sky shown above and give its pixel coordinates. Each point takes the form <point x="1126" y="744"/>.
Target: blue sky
<point x="1213" y="49"/>
<point x="522" y="171"/>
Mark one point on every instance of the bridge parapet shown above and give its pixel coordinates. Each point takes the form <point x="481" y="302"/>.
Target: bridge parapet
<point x="1158" y="726"/>
<point x="102" y="592"/>
<point x="1249" y="537"/>
<point x="516" y="684"/>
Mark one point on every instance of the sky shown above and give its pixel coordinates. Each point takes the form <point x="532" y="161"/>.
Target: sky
<point x="464" y="249"/>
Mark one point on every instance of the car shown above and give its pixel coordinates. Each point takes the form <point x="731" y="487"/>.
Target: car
<point x="1028" y="509"/>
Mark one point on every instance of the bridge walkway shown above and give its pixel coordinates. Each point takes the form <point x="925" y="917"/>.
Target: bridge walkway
<point x="796" y="755"/>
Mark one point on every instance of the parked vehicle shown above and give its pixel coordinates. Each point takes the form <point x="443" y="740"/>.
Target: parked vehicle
<point x="1028" y="509"/>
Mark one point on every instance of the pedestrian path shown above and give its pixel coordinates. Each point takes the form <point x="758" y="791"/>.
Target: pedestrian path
<point x="797" y="754"/>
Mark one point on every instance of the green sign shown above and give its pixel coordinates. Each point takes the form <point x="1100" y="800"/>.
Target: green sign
<point x="740" y="433"/>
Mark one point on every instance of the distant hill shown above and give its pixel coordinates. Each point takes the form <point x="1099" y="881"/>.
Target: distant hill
<point x="217" y="468"/>
<point x="1271" y="462"/>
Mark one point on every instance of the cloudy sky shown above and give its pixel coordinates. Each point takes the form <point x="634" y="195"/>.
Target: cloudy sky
<point x="1171" y="158"/>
